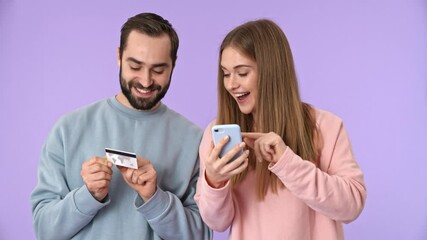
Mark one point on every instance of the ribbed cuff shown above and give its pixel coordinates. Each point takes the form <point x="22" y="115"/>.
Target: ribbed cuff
<point x="86" y="203"/>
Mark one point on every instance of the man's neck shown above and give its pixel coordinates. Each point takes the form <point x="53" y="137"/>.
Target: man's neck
<point x="121" y="98"/>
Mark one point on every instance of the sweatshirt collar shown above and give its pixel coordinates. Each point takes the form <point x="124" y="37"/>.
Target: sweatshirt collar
<point x="133" y="113"/>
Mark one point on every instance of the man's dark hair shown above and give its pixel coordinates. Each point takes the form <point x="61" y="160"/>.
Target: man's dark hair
<point x="152" y="25"/>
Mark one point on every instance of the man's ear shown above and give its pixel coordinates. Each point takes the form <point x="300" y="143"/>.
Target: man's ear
<point x="118" y="57"/>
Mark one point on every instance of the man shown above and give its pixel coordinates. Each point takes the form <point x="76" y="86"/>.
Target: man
<point x="80" y="195"/>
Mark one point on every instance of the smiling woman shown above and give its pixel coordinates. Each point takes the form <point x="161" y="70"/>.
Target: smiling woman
<point x="300" y="179"/>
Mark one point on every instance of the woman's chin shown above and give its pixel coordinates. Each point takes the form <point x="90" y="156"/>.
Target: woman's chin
<point x="245" y="110"/>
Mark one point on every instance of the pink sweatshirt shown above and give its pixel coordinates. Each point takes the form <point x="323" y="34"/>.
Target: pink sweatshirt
<point x="313" y="205"/>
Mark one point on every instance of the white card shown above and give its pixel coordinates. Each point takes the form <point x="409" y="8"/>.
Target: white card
<point x="121" y="158"/>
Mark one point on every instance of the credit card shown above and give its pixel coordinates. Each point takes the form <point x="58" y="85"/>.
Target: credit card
<point x="121" y="158"/>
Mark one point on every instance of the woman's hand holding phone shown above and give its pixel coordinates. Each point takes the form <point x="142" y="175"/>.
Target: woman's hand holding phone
<point x="222" y="165"/>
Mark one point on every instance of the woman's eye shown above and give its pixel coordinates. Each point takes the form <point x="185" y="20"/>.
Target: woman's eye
<point x="243" y="74"/>
<point x="226" y="75"/>
<point x="135" y="68"/>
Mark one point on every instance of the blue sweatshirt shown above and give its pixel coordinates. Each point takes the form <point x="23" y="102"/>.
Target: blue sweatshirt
<point x="63" y="208"/>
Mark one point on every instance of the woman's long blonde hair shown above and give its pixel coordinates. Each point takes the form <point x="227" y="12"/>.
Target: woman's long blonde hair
<point x="279" y="107"/>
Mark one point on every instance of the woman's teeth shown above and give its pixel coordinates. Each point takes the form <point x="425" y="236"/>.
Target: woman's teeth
<point x="240" y="96"/>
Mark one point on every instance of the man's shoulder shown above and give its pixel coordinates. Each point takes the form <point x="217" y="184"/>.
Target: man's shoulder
<point x="82" y="112"/>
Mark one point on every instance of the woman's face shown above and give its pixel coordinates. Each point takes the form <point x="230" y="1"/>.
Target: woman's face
<point x="240" y="79"/>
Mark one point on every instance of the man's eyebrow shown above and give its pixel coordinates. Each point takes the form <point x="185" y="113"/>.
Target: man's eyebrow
<point x="160" y="65"/>
<point x="131" y="59"/>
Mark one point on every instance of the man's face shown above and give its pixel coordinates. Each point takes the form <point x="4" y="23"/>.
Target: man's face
<point x="145" y="71"/>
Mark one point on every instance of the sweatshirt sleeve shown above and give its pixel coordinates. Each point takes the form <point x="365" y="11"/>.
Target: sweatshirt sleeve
<point x="174" y="218"/>
<point x="216" y="205"/>
<point x="58" y="212"/>
<point x="337" y="188"/>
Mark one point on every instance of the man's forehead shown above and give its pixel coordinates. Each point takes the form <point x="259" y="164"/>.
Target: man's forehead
<point x="142" y="48"/>
<point x="136" y="36"/>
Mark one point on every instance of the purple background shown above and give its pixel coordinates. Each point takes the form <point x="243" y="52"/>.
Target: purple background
<point x="366" y="62"/>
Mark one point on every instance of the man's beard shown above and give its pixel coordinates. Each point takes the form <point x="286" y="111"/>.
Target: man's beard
<point x="142" y="103"/>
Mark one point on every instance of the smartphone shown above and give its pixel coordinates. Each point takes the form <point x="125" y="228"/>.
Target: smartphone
<point x="233" y="132"/>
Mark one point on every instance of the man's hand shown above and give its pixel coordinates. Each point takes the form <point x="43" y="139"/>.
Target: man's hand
<point x="267" y="146"/>
<point x="143" y="180"/>
<point x="97" y="173"/>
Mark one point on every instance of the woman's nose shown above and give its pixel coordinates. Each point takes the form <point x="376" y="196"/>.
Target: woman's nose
<point x="232" y="83"/>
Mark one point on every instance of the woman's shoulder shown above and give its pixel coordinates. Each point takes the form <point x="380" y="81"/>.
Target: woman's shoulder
<point x="210" y="125"/>
<point x="326" y="119"/>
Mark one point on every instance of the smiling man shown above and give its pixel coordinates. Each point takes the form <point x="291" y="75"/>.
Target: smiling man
<point x="81" y="195"/>
<point x="145" y="70"/>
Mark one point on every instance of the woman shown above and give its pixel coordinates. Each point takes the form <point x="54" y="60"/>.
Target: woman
<point x="298" y="179"/>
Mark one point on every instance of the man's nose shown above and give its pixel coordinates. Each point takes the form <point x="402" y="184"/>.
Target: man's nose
<point x="145" y="78"/>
